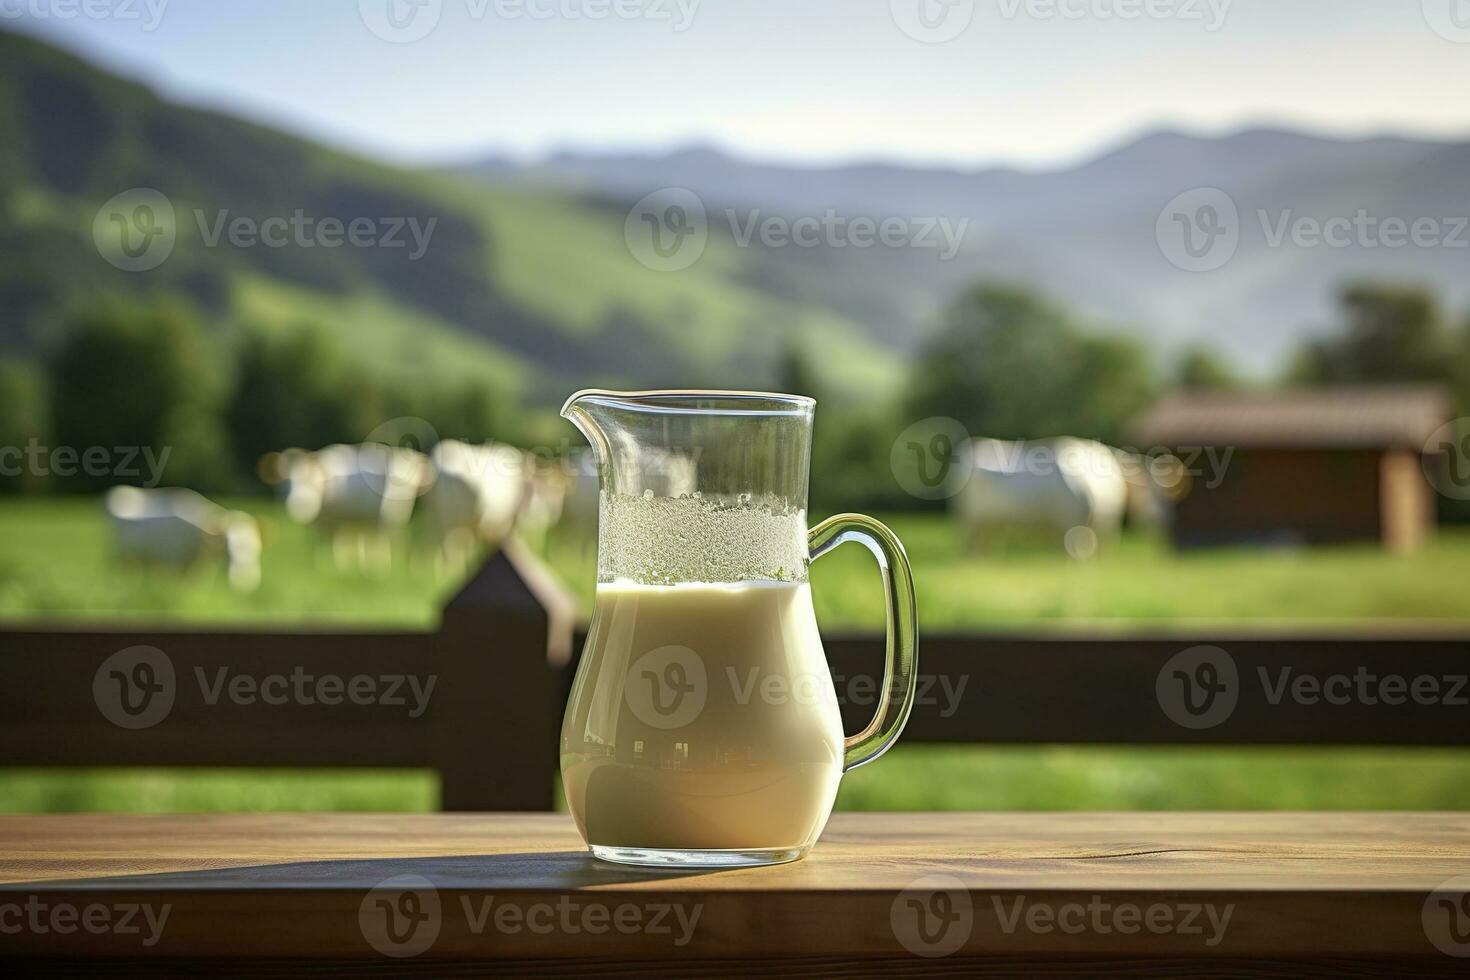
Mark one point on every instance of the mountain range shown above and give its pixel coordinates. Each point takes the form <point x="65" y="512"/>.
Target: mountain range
<point x="532" y="280"/>
<point x="1088" y="234"/>
<point x="532" y="289"/>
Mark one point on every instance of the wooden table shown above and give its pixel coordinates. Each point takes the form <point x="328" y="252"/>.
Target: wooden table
<point x="926" y="893"/>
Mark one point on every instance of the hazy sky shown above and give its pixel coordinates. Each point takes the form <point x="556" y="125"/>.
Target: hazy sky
<point x="1035" y="82"/>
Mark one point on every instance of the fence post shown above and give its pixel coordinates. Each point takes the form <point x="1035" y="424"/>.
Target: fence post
<point x="502" y="643"/>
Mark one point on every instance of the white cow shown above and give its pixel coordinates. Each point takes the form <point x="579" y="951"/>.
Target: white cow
<point x="579" y="499"/>
<point x="359" y="496"/>
<point x="1155" y="485"/>
<point x="579" y="506"/>
<point x="476" y="495"/>
<point x="546" y="501"/>
<point x="1054" y="485"/>
<point x="179" y="529"/>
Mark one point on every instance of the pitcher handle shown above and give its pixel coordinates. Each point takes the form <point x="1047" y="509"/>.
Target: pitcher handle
<point x="900" y="665"/>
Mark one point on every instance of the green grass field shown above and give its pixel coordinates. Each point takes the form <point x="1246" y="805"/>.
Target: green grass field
<point x="908" y="778"/>
<point x="54" y="567"/>
<point x="54" y="564"/>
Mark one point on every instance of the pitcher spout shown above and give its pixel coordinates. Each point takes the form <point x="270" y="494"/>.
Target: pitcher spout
<point x="581" y="409"/>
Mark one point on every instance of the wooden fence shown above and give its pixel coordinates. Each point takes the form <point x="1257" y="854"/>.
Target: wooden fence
<point x="501" y="663"/>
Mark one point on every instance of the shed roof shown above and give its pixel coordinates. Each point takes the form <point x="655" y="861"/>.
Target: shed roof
<point x="1365" y="417"/>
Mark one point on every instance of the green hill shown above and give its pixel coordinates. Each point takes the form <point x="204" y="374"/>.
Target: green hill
<point x="532" y="290"/>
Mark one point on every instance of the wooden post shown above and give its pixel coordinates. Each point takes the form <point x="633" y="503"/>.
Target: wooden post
<point x="502" y="642"/>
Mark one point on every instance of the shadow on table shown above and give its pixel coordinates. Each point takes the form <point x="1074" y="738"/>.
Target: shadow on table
<point x="531" y="870"/>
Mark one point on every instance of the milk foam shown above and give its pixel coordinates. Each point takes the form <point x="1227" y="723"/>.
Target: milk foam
<point x="654" y="540"/>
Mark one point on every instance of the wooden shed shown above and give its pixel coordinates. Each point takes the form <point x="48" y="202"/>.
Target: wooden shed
<point x="1307" y="466"/>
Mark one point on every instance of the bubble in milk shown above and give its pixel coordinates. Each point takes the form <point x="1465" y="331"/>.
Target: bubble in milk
<point x="652" y="540"/>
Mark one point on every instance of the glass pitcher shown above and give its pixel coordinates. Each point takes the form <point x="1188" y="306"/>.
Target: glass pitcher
<point x="703" y="727"/>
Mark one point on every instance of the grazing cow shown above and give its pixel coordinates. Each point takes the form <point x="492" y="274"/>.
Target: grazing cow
<point x="546" y="502"/>
<point x="1055" y="486"/>
<point x="1155" y="484"/>
<point x="579" y="506"/>
<point x="476" y="495"/>
<point x="579" y="502"/>
<point x="179" y="529"/>
<point x="359" y="496"/>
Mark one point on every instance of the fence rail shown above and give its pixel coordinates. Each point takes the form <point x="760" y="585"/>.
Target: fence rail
<point x="480" y="698"/>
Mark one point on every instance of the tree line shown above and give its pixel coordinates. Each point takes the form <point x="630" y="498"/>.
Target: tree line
<point x="125" y="375"/>
<point x="1004" y="361"/>
<point x="1008" y="363"/>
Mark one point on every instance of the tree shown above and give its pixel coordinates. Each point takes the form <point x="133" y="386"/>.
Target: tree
<point x="1460" y="365"/>
<point x="139" y="378"/>
<point x="795" y="374"/>
<point x="1203" y="368"/>
<point x="22" y="419"/>
<point x="850" y="460"/>
<point x="295" y="390"/>
<point x="1386" y="333"/>
<point x="299" y="388"/>
<point x="1008" y="365"/>
<point x="468" y="411"/>
<point x="1114" y="383"/>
